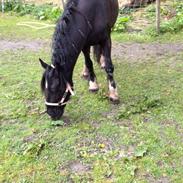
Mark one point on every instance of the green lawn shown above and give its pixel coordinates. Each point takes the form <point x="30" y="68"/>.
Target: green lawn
<point x="144" y="37"/>
<point x="10" y="30"/>
<point x="139" y="140"/>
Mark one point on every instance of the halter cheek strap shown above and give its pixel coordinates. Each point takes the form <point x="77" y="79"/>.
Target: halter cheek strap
<point x="61" y="103"/>
<point x="52" y="66"/>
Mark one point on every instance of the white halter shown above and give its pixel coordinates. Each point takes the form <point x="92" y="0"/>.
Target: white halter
<point x="61" y="102"/>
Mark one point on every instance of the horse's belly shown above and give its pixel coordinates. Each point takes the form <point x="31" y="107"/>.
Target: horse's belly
<point x="96" y="38"/>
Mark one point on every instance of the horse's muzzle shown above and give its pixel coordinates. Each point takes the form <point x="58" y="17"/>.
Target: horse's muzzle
<point x="55" y="112"/>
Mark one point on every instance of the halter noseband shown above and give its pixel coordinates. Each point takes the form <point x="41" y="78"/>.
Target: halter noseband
<point x="68" y="90"/>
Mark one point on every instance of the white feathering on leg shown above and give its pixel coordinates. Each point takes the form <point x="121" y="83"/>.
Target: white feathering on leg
<point x="93" y="85"/>
<point x="102" y="61"/>
<point x="113" y="92"/>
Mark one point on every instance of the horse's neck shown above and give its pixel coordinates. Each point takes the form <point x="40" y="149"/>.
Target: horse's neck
<point x="69" y="68"/>
<point x="69" y="45"/>
<point x="72" y="50"/>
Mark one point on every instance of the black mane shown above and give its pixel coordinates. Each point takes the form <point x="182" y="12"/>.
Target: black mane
<point x="61" y="38"/>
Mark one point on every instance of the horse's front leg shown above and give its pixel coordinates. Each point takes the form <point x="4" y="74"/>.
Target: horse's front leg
<point x="93" y="86"/>
<point x="109" y="68"/>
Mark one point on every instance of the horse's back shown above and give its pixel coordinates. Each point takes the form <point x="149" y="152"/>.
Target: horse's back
<point x="100" y="11"/>
<point x="113" y="10"/>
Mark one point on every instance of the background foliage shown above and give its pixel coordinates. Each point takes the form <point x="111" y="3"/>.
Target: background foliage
<point x="41" y="12"/>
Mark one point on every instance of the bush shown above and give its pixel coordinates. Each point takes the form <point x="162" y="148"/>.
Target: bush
<point x="172" y="25"/>
<point x="176" y="23"/>
<point x="150" y="12"/>
<point x="121" y="24"/>
<point x="41" y="12"/>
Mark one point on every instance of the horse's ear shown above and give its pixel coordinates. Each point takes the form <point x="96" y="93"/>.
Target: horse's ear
<point x="43" y="64"/>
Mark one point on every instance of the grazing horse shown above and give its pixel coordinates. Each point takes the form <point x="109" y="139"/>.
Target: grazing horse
<point x="82" y="25"/>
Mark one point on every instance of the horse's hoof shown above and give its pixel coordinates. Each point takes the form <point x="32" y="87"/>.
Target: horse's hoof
<point x="94" y="90"/>
<point x="114" y="101"/>
<point x="113" y="94"/>
<point x="93" y="86"/>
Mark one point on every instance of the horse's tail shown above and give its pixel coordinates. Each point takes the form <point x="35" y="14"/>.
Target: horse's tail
<point x="97" y="50"/>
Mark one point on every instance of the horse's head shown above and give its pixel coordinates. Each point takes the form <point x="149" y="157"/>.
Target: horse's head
<point x="56" y="89"/>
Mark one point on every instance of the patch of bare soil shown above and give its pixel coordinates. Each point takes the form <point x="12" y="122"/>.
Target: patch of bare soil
<point x="6" y="45"/>
<point x="151" y="179"/>
<point x="79" y="168"/>
<point x="133" y="52"/>
<point x="140" y="51"/>
<point x="74" y="167"/>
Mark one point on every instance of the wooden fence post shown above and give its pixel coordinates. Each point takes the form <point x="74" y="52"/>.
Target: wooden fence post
<point x="158" y="16"/>
<point x="63" y="4"/>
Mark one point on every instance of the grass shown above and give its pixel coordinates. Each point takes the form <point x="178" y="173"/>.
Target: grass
<point x="139" y="140"/>
<point x="142" y="25"/>
<point x="9" y="23"/>
<point x="146" y="37"/>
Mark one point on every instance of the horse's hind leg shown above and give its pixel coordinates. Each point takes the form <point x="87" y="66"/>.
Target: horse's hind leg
<point x="85" y="72"/>
<point x="93" y="86"/>
<point x="99" y="56"/>
<point x="102" y="61"/>
<point x="109" y="68"/>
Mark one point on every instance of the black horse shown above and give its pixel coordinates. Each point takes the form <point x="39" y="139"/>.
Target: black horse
<point x="82" y="25"/>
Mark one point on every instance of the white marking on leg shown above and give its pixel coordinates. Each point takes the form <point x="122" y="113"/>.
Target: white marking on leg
<point x="113" y="92"/>
<point x="102" y="61"/>
<point x="93" y="85"/>
<point x="85" y="72"/>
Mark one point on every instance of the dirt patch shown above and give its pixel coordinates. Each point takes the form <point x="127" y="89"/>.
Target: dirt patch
<point x="152" y="179"/>
<point x="171" y="124"/>
<point x="74" y="167"/>
<point x="140" y="51"/>
<point x="127" y="51"/>
<point x="19" y="45"/>
<point x="78" y="168"/>
<point x="30" y="138"/>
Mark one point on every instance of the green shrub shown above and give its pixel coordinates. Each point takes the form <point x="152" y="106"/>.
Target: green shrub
<point x="41" y="12"/>
<point x="121" y="24"/>
<point x="150" y="11"/>
<point x="172" y="25"/>
<point x="125" y="11"/>
<point x="176" y="23"/>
